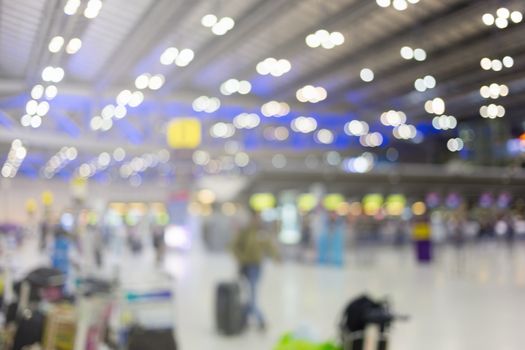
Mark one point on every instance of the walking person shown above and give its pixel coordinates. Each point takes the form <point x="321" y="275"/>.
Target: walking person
<point x="250" y="247"/>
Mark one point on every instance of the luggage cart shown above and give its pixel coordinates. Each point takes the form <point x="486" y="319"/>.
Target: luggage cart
<point x="147" y="315"/>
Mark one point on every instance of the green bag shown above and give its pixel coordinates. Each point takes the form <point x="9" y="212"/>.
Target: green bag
<point x="288" y="342"/>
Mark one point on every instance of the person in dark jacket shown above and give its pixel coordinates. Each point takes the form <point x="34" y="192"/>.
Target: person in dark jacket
<point x="250" y="247"/>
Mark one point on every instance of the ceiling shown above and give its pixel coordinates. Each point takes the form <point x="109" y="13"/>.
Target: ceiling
<point x="127" y="38"/>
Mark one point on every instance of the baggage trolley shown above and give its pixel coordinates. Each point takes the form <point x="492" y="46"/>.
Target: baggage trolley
<point x="147" y="315"/>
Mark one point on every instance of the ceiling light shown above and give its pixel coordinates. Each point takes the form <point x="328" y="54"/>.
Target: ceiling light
<point x="136" y="99"/>
<point x="246" y="121"/>
<point x="95" y="123"/>
<point x="275" y="109"/>
<point x="273" y="66"/>
<point x="123" y="97"/>
<point x="356" y="128"/>
<point x="393" y="118"/>
<point x="169" y="55"/>
<point x="108" y="111"/>
<point x="31" y="107"/>
<point x="366" y="74"/>
<point x="36" y="121"/>
<point x="508" y="61"/>
<point x="304" y="125"/>
<point x="142" y="81"/>
<point x="218" y="26"/>
<point x="324" y="136"/>
<point x="324" y="39"/>
<point x="516" y="16"/>
<point x="420" y="54"/>
<point x="232" y="86"/>
<point x="312" y="94"/>
<point x="383" y="3"/>
<point x="488" y="19"/>
<point x="502" y="18"/>
<point x="455" y="144"/>
<point x="400" y="5"/>
<point x="184" y="57"/>
<point x="206" y="104"/>
<point x="73" y="46"/>
<point x="71" y="7"/>
<point x="43" y="108"/>
<point x="208" y="20"/>
<point x="56" y="44"/>
<point x="120" y="112"/>
<point x="156" y="82"/>
<point x="37" y="92"/>
<point x="25" y="120"/>
<point x="51" y="92"/>
<point x="93" y="9"/>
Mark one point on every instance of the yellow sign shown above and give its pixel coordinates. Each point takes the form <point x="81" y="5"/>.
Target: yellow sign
<point x="333" y="201"/>
<point x="47" y="198"/>
<point x="184" y="133"/>
<point x="306" y="202"/>
<point x="372" y="203"/>
<point x="262" y="201"/>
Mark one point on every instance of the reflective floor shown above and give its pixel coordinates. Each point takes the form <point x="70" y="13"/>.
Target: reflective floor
<point x="469" y="299"/>
<point x="465" y="300"/>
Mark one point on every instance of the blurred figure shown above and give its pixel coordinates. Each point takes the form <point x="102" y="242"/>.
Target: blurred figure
<point x="250" y="247"/>
<point x="159" y="243"/>
<point x="45" y="229"/>
<point x="306" y="236"/>
<point x="331" y="241"/>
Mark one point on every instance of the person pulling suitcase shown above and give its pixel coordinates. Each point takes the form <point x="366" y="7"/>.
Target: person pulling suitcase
<point x="250" y="247"/>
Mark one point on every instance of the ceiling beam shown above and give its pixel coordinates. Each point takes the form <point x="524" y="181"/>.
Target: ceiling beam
<point x="156" y="23"/>
<point x="247" y="24"/>
<point x="384" y="46"/>
<point x="348" y="13"/>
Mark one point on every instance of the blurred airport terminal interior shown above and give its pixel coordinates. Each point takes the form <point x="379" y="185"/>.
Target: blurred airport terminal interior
<point x="262" y="174"/>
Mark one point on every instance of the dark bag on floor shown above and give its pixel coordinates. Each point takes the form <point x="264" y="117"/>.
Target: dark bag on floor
<point x="229" y="310"/>
<point x="147" y="339"/>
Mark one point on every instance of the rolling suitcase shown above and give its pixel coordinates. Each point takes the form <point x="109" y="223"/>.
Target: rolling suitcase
<point x="229" y="310"/>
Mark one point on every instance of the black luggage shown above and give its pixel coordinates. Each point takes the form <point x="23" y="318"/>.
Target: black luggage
<point x="230" y="312"/>
<point x="151" y="339"/>
<point x="361" y="314"/>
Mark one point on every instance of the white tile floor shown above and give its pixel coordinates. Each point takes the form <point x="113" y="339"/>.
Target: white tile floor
<point x="473" y="301"/>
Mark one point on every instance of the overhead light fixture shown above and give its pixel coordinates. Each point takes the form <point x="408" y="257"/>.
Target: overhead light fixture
<point x="502" y="18"/>
<point x="52" y="74"/>
<point x="417" y="54"/>
<point x="323" y="38"/>
<point x="232" y="86"/>
<point x="73" y="46"/>
<point x="246" y="121"/>
<point x="275" y="109"/>
<point x="399" y="5"/>
<point x="312" y="94"/>
<point x="367" y="75"/>
<point x="273" y="67"/>
<point x="71" y="7"/>
<point x="435" y="106"/>
<point x="455" y="144"/>
<point x="426" y="83"/>
<point x="56" y="43"/>
<point x="93" y="8"/>
<point x="304" y="125"/>
<point x="218" y="26"/>
<point x="206" y="104"/>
